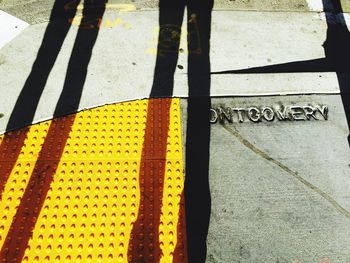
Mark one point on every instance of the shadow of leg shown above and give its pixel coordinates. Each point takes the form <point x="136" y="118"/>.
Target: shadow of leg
<point x="80" y="57"/>
<point x="170" y="21"/>
<point x="56" y="31"/>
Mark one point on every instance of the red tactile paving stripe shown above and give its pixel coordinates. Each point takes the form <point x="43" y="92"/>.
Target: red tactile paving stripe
<point x="31" y="203"/>
<point x="144" y="242"/>
<point x="10" y="149"/>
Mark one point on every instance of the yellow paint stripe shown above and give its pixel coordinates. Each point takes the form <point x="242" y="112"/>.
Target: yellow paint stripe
<point x="19" y="177"/>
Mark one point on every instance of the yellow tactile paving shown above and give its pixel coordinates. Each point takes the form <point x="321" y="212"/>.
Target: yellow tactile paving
<point x="19" y="177"/>
<point x="173" y="186"/>
<point x="93" y="200"/>
<point x="88" y="213"/>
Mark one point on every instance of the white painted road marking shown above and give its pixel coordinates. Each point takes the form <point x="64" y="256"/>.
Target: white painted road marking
<point x="315" y="5"/>
<point x="10" y="27"/>
<point x="343" y="18"/>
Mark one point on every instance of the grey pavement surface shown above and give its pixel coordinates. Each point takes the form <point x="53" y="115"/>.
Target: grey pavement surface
<point x="276" y="187"/>
<point x="239" y="40"/>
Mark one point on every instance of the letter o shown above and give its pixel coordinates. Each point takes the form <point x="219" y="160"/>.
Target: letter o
<point x="216" y="116"/>
<point x="268" y="116"/>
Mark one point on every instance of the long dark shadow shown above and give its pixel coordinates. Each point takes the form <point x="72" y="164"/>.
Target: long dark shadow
<point x="62" y="14"/>
<point x="313" y="65"/>
<point x="56" y="31"/>
<point x="171" y="14"/>
<point x="337" y="56"/>
<point x="27" y="213"/>
<point x="80" y="57"/>
<point x="337" y="50"/>
<point x="153" y="159"/>
<point x="27" y="101"/>
<point x="157" y="127"/>
<point x="197" y="191"/>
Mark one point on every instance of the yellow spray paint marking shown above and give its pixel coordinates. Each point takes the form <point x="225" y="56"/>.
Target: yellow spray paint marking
<point x="120" y="7"/>
<point x="19" y="177"/>
<point x="173" y="186"/>
<point x="103" y="23"/>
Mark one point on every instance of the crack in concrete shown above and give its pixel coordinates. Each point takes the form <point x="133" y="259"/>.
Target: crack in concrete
<point x="285" y="168"/>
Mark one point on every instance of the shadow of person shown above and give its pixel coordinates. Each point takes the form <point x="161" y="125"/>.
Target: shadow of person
<point x="196" y="189"/>
<point x="27" y="213"/>
<point x="62" y="15"/>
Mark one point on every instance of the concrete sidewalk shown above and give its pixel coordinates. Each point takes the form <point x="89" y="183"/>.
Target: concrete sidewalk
<point x="127" y="43"/>
<point x="279" y="188"/>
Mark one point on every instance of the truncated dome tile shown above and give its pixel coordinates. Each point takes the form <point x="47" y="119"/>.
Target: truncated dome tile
<point x="93" y="198"/>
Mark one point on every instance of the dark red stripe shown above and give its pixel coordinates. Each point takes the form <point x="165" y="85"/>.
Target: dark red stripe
<point x="180" y="252"/>
<point x="35" y="194"/>
<point x="144" y="239"/>
<point x="10" y="149"/>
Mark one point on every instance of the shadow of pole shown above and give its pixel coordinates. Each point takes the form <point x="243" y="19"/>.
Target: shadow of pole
<point x="197" y="190"/>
